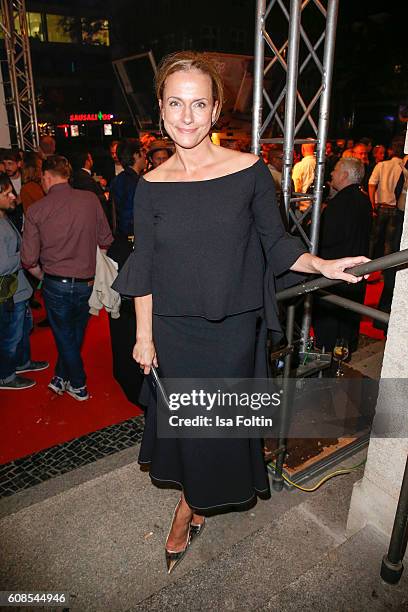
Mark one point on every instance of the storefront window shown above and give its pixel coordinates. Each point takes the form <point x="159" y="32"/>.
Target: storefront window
<point x="35" y="27"/>
<point x="34" y="23"/>
<point x="95" y="32"/>
<point x="65" y="29"/>
<point x="62" y="29"/>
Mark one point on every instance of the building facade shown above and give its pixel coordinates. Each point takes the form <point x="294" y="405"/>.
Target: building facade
<point x="75" y="88"/>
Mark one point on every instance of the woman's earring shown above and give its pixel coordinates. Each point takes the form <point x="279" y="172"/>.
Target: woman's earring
<point x="161" y="126"/>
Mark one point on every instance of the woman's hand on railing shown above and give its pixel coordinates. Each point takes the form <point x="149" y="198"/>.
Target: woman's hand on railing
<point x="330" y="268"/>
<point x="335" y="268"/>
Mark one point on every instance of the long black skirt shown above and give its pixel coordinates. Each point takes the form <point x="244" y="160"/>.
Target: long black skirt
<point x="213" y="473"/>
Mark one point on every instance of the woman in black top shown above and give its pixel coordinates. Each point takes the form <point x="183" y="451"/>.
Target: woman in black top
<point x="205" y="221"/>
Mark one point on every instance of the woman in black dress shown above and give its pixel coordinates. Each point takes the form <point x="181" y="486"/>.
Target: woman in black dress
<point x="205" y="222"/>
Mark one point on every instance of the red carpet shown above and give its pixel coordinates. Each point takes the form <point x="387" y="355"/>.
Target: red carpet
<point x="373" y="294"/>
<point x="36" y="419"/>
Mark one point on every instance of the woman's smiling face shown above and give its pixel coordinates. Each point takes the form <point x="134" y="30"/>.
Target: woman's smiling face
<point x="187" y="108"/>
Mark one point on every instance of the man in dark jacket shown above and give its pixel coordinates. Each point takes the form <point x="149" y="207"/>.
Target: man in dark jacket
<point x="123" y="186"/>
<point x="82" y="178"/>
<point x="123" y="329"/>
<point x="344" y="231"/>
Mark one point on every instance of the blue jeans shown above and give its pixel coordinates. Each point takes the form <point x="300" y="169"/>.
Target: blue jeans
<point x="67" y="311"/>
<point x="15" y="325"/>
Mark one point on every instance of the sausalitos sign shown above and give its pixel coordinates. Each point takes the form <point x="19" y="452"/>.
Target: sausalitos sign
<point x="81" y="117"/>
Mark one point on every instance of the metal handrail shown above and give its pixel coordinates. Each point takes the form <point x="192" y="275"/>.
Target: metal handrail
<point x="302" y="289"/>
<point x="382" y="263"/>
<point x="361" y="309"/>
<point x="392" y="566"/>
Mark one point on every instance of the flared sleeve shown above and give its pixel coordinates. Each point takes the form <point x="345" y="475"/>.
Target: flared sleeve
<point x="280" y="249"/>
<point x="135" y="277"/>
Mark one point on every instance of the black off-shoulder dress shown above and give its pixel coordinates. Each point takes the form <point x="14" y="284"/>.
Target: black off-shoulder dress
<point x="209" y="252"/>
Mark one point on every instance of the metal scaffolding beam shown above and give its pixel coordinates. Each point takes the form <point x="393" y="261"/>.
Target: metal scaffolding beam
<point x="18" y="76"/>
<point x="287" y="90"/>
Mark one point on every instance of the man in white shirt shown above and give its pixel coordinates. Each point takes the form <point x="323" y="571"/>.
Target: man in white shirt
<point x="303" y="172"/>
<point x="381" y="189"/>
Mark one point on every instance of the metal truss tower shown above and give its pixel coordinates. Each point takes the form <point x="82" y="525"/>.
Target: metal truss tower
<point x="293" y="66"/>
<point x="18" y="75"/>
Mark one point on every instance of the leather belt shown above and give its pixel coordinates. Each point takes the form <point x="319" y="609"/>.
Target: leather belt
<point x="68" y="279"/>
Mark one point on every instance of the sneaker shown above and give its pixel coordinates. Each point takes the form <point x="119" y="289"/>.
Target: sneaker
<point x="79" y="394"/>
<point x="57" y="385"/>
<point x="19" y="382"/>
<point x="33" y="366"/>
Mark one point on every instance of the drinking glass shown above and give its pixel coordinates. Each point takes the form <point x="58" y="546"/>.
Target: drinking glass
<point x="340" y="353"/>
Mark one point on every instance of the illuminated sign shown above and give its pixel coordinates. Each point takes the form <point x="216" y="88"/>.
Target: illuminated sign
<point x="81" y="117"/>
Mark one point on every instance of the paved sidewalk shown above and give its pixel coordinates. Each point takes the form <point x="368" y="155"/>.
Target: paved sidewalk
<point x="98" y="533"/>
<point x="368" y="359"/>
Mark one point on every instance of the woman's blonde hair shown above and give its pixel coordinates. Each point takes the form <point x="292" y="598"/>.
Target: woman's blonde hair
<point x="189" y="60"/>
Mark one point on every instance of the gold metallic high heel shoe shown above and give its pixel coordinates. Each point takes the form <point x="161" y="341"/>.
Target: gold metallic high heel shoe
<point x="173" y="557"/>
<point x="196" y="530"/>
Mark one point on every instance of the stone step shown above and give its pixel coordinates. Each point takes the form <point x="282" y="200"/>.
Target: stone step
<point x="315" y="573"/>
<point x="368" y="360"/>
<point x="347" y="578"/>
<point x="371" y="348"/>
<point x="102" y="540"/>
<point x="246" y="575"/>
<point x="370" y="366"/>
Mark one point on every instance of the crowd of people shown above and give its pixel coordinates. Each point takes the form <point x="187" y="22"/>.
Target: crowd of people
<point x="362" y="214"/>
<point x="54" y="246"/>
